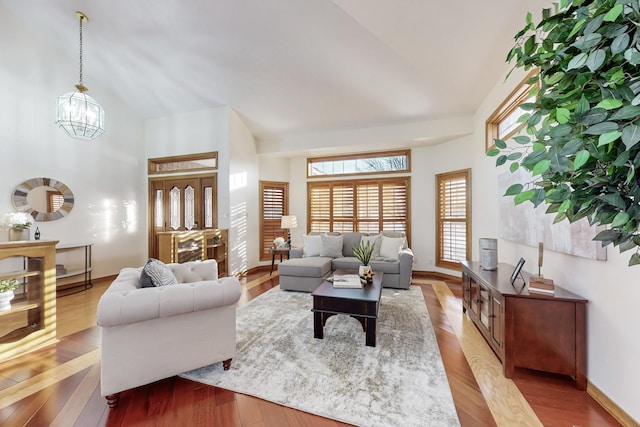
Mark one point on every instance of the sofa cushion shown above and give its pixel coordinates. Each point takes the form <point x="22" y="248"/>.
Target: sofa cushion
<point x="331" y="246"/>
<point x="386" y="267"/>
<point x="346" y="263"/>
<point x="305" y="267"/>
<point x="351" y="240"/>
<point x="156" y="273"/>
<point x="390" y="247"/>
<point x="311" y="245"/>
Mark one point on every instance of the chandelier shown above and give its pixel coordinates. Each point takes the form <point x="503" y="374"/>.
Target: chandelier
<point x="76" y="112"/>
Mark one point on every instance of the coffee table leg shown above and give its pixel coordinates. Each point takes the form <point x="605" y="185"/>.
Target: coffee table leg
<point x="371" y="332"/>
<point x="318" y="325"/>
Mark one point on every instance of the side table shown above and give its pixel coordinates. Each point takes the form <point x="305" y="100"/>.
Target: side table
<point x="277" y="251"/>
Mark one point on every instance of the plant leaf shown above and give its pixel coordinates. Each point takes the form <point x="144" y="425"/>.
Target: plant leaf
<point x="630" y="135"/>
<point x="514" y="167"/>
<point x="524" y="196"/>
<point x="493" y="152"/>
<point x="613" y="14"/>
<point x="513" y="189"/>
<point x="607" y="235"/>
<point x="500" y="144"/>
<point x="601" y="128"/>
<point x="581" y="159"/>
<point x="634" y="260"/>
<point x="577" y="61"/>
<point x="596" y="59"/>
<point x="541" y="167"/>
<point x="562" y="115"/>
<point x="608" y="137"/>
<point x="522" y="139"/>
<point x="620" y="219"/>
<point x="609" y="104"/>
<point x="501" y="160"/>
<point x="593" y="116"/>
<point x="514" y="156"/>
<point x="626" y="112"/>
<point x="620" y="43"/>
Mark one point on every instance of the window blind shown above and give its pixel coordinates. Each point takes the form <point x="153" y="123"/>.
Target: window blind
<point x="453" y="219"/>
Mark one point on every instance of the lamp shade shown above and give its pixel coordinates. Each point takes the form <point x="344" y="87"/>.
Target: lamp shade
<point x="289" y="221"/>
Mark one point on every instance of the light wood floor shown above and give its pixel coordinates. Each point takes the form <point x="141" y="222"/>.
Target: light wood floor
<point x="59" y="385"/>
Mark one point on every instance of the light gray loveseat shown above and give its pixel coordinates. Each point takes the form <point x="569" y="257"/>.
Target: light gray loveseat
<point x="151" y="333"/>
<point x="305" y="271"/>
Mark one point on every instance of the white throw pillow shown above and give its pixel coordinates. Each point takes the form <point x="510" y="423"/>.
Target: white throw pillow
<point x="390" y="248"/>
<point x="331" y="246"/>
<point x="311" y="245"/>
<point x="375" y="242"/>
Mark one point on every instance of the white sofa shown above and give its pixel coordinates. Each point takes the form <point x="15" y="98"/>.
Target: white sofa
<point x="148" y="334"/>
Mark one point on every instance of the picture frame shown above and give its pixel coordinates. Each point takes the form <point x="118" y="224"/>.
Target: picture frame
<point x="516" y="271"/>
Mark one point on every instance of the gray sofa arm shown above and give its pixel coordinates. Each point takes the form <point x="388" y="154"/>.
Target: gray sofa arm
<point x="406" y="267"/>
<point x="121" y="307"/>
<point x="295" y="253"/>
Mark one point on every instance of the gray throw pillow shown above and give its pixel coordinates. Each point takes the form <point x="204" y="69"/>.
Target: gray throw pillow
<point x="156" y="273"/>
<point x="331" y="246"/>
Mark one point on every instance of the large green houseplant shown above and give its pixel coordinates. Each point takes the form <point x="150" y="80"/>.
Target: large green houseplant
<point x="580" y="137"/>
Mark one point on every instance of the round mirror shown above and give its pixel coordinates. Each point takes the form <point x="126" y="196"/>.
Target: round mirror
<point x="45" y="199"/>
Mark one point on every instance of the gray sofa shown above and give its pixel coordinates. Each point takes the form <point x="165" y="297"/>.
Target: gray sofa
<point x="302" y="272"/>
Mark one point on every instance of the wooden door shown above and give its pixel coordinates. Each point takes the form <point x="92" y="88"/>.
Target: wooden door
<point x="181" y="203"/>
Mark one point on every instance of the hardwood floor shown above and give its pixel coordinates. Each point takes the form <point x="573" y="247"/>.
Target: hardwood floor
<point x="60" y="385"/>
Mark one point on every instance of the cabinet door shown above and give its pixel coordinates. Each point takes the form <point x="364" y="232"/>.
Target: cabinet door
<point x="497" y="322"/>
<point x="474" y="297"/>
<point x="485" y="307"/>
<point x="466" y="292"/>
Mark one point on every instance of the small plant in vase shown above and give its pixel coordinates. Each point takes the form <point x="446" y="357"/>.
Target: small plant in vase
<point x="363" y="253"/>
<point x="7" y="287"/>
<point x="18" y="224"/>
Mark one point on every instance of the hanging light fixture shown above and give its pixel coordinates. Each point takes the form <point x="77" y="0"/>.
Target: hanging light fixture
<point x="78" y="113"/>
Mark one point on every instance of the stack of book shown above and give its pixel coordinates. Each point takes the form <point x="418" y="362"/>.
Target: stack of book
<point x="541" y="285"/>
<point x="346" y="281"/>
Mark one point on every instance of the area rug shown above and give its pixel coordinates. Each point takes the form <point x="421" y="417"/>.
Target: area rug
<point x="400" y="382"/>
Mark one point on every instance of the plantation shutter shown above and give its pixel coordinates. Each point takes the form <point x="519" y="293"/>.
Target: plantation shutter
<point x="274" y="206"/>
<point x="454" y="222"/>
<point x="359" y="205"/>
<point x="319" y="198"/>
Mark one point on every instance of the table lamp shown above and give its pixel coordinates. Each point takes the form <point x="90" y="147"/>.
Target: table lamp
<point x="288" y="222"/>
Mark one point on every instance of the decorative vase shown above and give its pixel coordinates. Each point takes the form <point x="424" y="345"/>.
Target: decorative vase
<point x="362" y="269"/>
<point x="488" y="254"/>
<point x="16" y="234"/>
<point x="5" y="300"/>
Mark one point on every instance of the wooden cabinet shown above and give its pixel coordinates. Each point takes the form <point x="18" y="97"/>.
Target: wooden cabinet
<point x="31" y="321"/>
<point x="183" y="246"/>
<point x="526" y="330"/>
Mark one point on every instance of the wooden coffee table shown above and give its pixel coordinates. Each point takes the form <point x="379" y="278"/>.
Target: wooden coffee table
<point x="361" y="304"/>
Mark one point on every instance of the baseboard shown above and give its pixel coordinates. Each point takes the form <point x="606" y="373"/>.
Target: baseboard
<point x="610" y="406"/>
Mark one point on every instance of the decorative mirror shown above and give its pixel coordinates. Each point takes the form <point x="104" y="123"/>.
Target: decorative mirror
<point x="45" y="199"/>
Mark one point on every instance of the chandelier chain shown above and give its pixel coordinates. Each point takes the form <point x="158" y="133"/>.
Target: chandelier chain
<point x="80" y="51"/>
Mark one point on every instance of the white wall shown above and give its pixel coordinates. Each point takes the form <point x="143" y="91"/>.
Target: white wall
<point x="106" y="175"/>
<point x="244" y="189"/>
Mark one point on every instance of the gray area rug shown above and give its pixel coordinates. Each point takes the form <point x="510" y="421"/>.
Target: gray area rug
<point x="400" y="382"/>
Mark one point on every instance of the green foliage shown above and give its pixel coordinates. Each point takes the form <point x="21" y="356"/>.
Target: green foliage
<point x="363" y="252"/>
<point x="7" y="285"/>
<point x="582" y="132"/>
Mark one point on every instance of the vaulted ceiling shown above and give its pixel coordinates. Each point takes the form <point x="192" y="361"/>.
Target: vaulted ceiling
<point x="289" y="66"/>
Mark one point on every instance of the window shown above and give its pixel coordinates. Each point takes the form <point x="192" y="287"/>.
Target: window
<point x="367" y="163"/>
<point x="274" y="197"/>
<point x="366" y="205"/>
<point x="453" y="218"/>
<point x="503" y="123"/>
<point x="186" y="163"/>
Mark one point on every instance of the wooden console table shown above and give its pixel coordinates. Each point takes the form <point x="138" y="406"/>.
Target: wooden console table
<point x="526" y="330"/>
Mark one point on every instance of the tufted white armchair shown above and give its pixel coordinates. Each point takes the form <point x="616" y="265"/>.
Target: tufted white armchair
<point x="148" y="334"/>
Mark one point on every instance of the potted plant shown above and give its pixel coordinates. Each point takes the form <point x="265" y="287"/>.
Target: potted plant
<point x="7" y="287"/>
<point x="363" y="253"/>
<point x="581" y="143"/>
<point x="18" y="224"/>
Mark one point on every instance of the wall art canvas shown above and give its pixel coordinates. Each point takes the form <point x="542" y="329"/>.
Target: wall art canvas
<point x="529" y="226"/>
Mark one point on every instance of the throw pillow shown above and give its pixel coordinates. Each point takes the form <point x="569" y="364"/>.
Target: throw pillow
<point x="331" y="246"/>
<point x="374" y="240"/>
<point x="396" y="234"/>
<point x="311" y="245"/>
<point x="156" y="273"/>
<point x="390" y="248"/>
